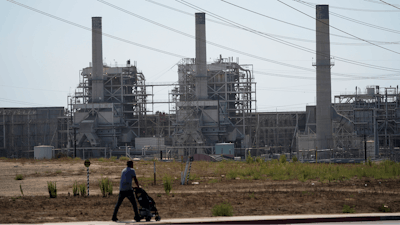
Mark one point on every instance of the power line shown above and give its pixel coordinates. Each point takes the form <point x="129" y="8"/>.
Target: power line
<point x="377" y="2"/>
<point x="275" y="35"/>
<point x="390" y="4"/>
<point x="354" y="9"/>
<point x="22" y="102"/>
<point x="36" y="89"/>
<point x="288" y="43"/>
<point x="338" y="28"/>
<point x="263" y="15"/>
<point x="104" y="34"/>
<point x="351" y="19"/>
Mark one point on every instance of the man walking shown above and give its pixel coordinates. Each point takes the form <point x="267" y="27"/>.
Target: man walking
<point x="126" y="190"/>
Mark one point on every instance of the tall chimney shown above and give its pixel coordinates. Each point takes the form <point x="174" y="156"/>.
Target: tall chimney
<point x="97" y="59"/>
<point x="201" y="57"/>
<point x="323" y="66"/>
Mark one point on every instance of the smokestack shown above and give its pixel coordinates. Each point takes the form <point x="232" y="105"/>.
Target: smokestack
<point x="201" y="57"/>
<point x="323" y="66"/>
<point x="97" y="59"/>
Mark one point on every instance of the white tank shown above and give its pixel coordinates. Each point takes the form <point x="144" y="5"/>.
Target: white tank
<point x="43" y="152"/>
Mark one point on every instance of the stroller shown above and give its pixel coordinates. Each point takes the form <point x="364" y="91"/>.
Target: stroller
<point x="147" y="206"/>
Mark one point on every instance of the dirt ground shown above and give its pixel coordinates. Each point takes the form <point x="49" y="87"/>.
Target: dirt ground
<point x="247" y="197"/>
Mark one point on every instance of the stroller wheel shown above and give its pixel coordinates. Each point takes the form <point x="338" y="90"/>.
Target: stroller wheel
<point x="158" y="218"/>
<point x="148" y="218"/>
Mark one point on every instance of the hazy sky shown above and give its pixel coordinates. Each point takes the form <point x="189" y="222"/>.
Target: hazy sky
<point x="41" y="57"/>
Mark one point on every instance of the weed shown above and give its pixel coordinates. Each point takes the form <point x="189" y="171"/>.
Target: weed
<point x="348" y="209"/>
<point x="158" y="195"/>
<point x="58" y="172"/>
<point x="101" y="159"/>
<point x="259" y="160"/>
<point x="369" y="163"/>
<point x="75" y="189"/>
<point x="113" y="158"/>
<point x="193" y="177"/>
<point x="213" y="181"/>
<point x="256" y="176"/>
<point x="232" y="174"/>
<point x="167" y="180"/>
<point x="123" y="158"/>
<point x="294" y="159"/>
<point x="106" y="186"/>
<point x="52" y="188"/>
<point x="282" y="159"/>
<point x="19" y="177"/>
<point x="20" y="188"/>
<point x="82" y="189"/>
<point x="251" y="196"/>
<point x="77" y="159"/>
<point x="384" y="208"/>
<point x="3" y="158"/>
<point x="223" y="209"/>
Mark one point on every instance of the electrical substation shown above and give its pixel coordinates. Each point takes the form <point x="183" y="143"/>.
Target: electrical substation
<point x="211" y="107"/>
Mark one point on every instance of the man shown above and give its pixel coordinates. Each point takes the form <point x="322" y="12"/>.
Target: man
<point x="126" y="190"/>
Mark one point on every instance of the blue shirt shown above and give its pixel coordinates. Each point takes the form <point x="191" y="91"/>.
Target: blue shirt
<point x="126" y="179"/>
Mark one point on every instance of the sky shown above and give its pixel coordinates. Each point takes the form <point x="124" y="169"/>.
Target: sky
<point x="41" y="57"/>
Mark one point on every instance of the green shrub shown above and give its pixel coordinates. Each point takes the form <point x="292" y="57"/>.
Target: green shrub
<point x="256" y="176"/>
<point x="82" y="189"/>
<point x="19" y="177"/>
<point x="52" y="188"/>
<point x="167" y="180"/>
<point x="3" y="158"/>
<point x="384" y="208"/>
<point x="77" y="159"/>
<point x="106" y="186"/>
<point x="58" y="172"/>
<point x="232" y="174"/>
<point x="259" y="160"/>
<point x="348" y="209"/>
<point x="101" y="159"/>
<point x="369" y="163"/>
<point x="213" y="181"/>
<point x="294" y="159"/>
<point x="75" y="189"/>
<point x="124" y="158"/>
<point x="282" y="159"/>
<point x="20" y="188"/>
<point x="223" y="209"/>
<point x="113" y="158"/>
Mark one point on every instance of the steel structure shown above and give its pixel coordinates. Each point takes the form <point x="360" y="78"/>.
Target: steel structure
<point x="23" y="128"/>
<point x="225" y="115"/>
<point x="374" y="113"/>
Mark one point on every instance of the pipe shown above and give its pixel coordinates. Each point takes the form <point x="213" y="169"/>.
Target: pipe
<point x="343" y="120"/>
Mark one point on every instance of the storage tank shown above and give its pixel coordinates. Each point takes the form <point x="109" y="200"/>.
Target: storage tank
<point x="43" y="152"/>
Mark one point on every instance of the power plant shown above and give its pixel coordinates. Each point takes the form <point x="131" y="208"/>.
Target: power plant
<point x="212" y="105"/>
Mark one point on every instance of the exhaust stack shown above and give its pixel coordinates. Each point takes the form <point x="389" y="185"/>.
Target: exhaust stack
<point x="201" y="57"/>
<point x="323" y="68"/>
<point x="97" y="59"/>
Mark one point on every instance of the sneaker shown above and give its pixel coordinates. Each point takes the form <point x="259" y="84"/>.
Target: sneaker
<point x="137" y="218"/>
<point x="114" y="219"/>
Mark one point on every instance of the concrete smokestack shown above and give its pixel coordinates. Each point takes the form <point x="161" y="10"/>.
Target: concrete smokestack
<point x="323" y="66"/>
<point x="201" y="57"/>
<point x="97" y="60"/>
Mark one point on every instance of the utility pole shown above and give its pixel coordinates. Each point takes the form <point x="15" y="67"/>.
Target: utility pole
<point x="365" y="148"/>
<point x="74" y="142"/>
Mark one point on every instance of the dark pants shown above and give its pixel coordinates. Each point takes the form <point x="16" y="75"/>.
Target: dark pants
<point x="122" y="195"/>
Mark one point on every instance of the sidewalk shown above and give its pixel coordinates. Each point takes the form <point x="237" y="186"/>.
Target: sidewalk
<point x="279" y="219"/>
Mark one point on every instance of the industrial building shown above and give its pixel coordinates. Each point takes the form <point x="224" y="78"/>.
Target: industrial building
<point x="211" y="107"/>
